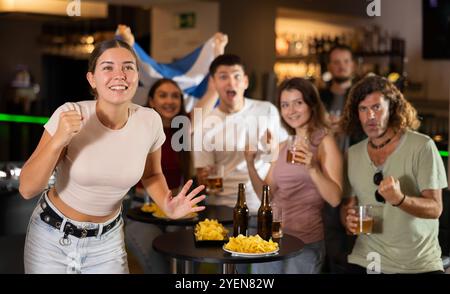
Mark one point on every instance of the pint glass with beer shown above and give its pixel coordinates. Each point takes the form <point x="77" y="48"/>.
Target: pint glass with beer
<point x="365" y="219"/>
<point x="214" y="180"/>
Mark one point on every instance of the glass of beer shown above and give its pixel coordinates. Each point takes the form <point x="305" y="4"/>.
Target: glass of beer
<point x="277" y="222"/>
<point x="214" y="180"/>
<point x="293" y="144"/>
<point x="365" y="219"/>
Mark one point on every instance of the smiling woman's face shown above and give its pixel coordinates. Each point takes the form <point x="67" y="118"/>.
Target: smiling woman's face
<point x="115" y="78"/>
<point x="167" y="101"/>
<point x="294" y="110"/>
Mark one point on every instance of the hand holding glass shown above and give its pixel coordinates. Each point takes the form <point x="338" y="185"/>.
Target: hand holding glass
<point x="365" y="219"/>
<point x="292" y="148"/>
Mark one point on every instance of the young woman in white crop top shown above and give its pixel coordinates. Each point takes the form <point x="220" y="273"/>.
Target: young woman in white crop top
<point x="100" y="149"/>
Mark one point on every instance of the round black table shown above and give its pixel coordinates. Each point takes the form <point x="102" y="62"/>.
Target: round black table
<point x="223" y="214"/>
<point x="180" y="245"/>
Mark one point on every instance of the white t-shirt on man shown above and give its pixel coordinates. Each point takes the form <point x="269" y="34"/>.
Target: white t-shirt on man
<point x="222" y="139"/>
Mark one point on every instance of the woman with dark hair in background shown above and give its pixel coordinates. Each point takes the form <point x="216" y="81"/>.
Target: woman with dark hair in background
<point x="166" y="98"/>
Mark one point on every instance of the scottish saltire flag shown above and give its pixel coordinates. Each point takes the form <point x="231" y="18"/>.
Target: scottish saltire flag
<point x="190" y="72"/>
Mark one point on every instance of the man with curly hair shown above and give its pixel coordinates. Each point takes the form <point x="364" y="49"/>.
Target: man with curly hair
<point x="401" y="171"/>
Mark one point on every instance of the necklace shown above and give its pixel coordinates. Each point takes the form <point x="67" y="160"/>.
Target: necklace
<point x="374" y="146"/>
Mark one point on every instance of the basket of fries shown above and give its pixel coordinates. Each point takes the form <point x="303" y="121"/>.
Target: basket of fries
<point x="210" y="233"/>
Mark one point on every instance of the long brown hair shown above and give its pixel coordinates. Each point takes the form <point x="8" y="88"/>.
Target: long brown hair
<point x="311" y="97"/>
<point x="402" y="115"/>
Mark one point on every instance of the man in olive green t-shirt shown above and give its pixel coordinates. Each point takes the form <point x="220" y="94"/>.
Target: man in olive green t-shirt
<point x="401" y="172"/>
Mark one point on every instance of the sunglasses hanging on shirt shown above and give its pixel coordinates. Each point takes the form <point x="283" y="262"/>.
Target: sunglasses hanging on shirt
<point x="377" y="178"/>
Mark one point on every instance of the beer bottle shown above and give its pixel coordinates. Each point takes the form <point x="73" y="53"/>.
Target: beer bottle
<point x="265" y="216"/>
<point x="240" y="213"/>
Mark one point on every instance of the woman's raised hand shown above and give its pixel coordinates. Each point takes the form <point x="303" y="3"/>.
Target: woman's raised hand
<point x="182" y="204"/>
<point x="125" y="32"/>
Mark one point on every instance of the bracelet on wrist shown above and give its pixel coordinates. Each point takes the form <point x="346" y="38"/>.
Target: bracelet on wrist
<point x="401" y="201"/>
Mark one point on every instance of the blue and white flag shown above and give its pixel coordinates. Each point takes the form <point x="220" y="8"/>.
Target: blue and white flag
<point x="190" y="72"/>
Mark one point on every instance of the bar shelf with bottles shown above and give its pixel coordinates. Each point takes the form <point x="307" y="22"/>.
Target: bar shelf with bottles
<point x="306" y="55"/>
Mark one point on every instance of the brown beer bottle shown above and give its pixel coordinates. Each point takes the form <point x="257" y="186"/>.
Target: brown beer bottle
<point x="240" y="213"/>
<point x="265" y="216"/>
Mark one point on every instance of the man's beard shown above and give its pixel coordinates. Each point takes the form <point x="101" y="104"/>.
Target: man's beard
<point x="341" y="80"/>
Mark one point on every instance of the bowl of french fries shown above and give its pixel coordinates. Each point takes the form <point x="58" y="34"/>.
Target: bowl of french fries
<point x="250" y="246"/>
<point x="157" y="212"/>
<point x="210" y="232"/>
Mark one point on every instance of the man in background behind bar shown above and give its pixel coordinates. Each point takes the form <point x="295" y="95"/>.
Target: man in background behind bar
<point x="341" y="66"/>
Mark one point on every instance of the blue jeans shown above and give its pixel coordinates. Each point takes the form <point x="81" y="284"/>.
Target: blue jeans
<point x="309" y="261"/>
<point x="92" y="255"/>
